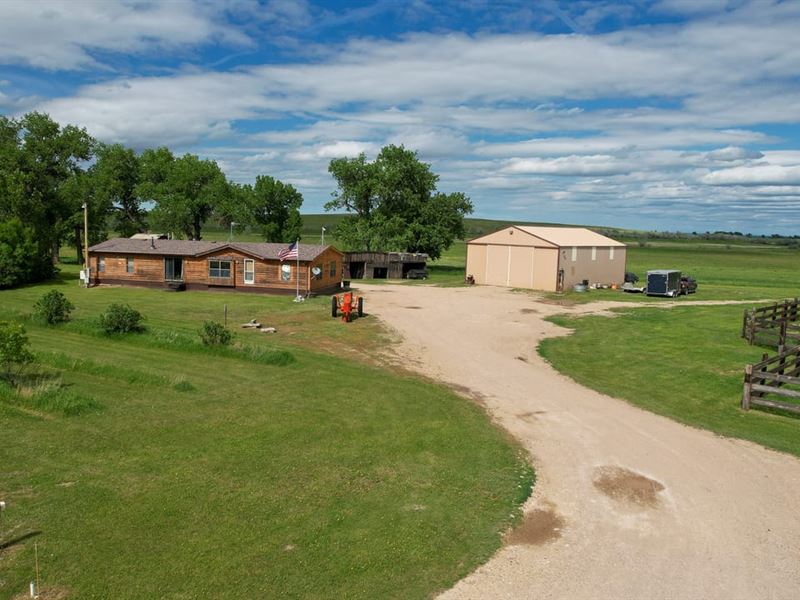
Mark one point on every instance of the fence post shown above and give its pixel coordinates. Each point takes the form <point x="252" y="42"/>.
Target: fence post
<point x="744" y="323"/>
<point x="748" y="375"/>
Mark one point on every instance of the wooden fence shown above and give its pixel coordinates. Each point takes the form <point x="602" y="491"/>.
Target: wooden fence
<point x="773" y="325"/>
<point x="771" y="376"/>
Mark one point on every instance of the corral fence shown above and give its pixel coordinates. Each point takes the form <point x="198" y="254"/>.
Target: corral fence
<point x="777" y="375"/>
<point x="774" y="325"/>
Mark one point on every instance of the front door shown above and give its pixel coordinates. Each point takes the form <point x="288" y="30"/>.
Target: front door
<point x="173" y="268"/>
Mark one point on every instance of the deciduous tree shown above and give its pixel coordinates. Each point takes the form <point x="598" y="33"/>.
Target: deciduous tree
<point x="394" y="204"/>
<point x="185" y="190"/>
<point x="115" y="177"/>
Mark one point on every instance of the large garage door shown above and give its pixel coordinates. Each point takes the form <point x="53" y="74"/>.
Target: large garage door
<point x="497" y="265"/>
<point x="520" y="268"/>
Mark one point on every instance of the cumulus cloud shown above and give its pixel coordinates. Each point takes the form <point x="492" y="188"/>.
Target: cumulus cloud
<point x="61" y="34"/>
<point x="570" y="165"/>
<point x="755" y="175"/>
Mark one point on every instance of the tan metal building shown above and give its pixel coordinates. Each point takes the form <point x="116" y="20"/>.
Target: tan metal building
<point x="545" y="258"/>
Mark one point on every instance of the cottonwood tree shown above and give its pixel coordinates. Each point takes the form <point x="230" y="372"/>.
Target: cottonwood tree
<point x="115" y="177"/>
<point x="274" y="208"/>
<point x="394" y="204"/>
<point x="185" y="190"/>
<point x="37" y="157"/>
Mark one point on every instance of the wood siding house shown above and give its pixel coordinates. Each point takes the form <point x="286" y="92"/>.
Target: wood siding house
<point x="201" y="265"/>
<point x="545" y="258"/>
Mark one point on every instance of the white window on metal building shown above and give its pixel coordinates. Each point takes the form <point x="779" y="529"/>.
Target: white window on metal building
<point x="611" y="253"/>
<point x="574" y="253"/>
<point x="594" y="253"/>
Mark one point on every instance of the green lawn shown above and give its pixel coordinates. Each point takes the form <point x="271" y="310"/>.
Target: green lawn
<point x="722" y="272"/>
<point x="217" y="474"/>
<point x="686" y="363"/>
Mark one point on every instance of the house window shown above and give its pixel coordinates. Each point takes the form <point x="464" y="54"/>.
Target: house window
<point x="594" y="253"/>
<point x="611" y="253"/>
<point x="249" y="270"/>
<point x="286" y="272"/>
<point x="129" y="265"/>
<point x="219" y="268"/>
<point x="332" y="271"/>
<point x="101" y="264"/>
<point x="574" y="253"/>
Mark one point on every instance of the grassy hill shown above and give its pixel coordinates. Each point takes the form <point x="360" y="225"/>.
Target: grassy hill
<point x="291" y="465"/>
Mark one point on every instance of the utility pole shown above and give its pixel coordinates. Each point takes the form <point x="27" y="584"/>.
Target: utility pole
<point x="230" y="236"/>
<point x="322" y="240"/>
<point x="86" y="268"/>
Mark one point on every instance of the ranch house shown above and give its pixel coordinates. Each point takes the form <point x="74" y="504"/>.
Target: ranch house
<point x="202" y="265"/>
<point x="545" y="258"/>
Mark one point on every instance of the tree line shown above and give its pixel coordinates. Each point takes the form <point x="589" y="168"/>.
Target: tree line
<point x="48" y="172"/>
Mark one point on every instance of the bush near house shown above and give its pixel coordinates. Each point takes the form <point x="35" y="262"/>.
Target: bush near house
<point x="14" y="352"/>
<point x="121" y="318"/>
<point x="215" y="334"/>
<point x="53" y="307"/>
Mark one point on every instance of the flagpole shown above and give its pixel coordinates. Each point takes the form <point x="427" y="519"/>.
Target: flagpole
<point x="297" y="275"/>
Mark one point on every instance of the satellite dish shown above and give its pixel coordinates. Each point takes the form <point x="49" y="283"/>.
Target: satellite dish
<point x="316" y="271"/>
<point x="286" y="268"/>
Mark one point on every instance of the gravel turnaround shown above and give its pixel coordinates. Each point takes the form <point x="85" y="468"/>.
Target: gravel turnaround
<point x="627" y="504"/>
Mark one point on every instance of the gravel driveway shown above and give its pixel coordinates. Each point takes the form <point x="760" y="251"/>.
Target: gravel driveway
<point x="627" y="504"/>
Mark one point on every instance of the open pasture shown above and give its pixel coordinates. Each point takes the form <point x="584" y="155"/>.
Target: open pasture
<point x="222" y="473"/>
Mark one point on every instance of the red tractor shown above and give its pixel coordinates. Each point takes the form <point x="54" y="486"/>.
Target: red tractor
<point x="347" y="303"/>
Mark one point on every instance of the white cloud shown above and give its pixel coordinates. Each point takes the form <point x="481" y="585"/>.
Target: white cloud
<point x="755" y="175"/>
<point x="349" y="149"/>
<point x="591" y="165"/>
<point x="60" y="34"/>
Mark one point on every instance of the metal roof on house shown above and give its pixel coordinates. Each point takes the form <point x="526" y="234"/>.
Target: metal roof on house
<point x="266" y="251"/>
<point x="558" y="236"/>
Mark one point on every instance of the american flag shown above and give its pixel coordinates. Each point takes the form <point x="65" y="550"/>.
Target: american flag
<point x="290" y="252"/>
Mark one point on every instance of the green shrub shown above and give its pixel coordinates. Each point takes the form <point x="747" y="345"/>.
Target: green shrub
<point x="14" y="351"/>
<point x="121" y="318"/>
<point x="53" y="307"/>
<point x="215" y="334"/>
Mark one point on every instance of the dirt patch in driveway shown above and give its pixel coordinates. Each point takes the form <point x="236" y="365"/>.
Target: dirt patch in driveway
<point x="626" y="486"/>
<point x="538" y="527"/>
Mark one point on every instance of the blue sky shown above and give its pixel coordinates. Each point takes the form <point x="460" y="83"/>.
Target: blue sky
<point x="663" y="115"/>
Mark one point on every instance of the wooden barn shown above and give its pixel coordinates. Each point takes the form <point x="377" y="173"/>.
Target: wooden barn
<point x="383" y="265"/>
<point x="241" y="266"/>
<point x="545" y="258"/>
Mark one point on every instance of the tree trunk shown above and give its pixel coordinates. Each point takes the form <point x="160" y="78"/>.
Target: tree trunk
<point x="56" y="251"/>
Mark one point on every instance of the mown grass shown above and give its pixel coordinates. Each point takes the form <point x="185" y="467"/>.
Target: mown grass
<point x="722" y="272"/>
<point x="215" y="473"/>
<point x="686" y="363"/>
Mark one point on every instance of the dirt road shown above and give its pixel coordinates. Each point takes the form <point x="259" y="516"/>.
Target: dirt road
<point x="627" y="504"/>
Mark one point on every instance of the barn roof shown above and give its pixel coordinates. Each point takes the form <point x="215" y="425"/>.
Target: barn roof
<point x="265" y="251"/>
<point x="558" y="236"/>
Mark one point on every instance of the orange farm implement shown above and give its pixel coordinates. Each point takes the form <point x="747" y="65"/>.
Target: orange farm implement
<point x="347" y="304"/>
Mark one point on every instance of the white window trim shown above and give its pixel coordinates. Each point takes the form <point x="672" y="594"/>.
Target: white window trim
<point x="574" y="253"/>
<point x="611" y="253"/>
<point x="594" y="253"/>
<point x="253" y="272"/>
